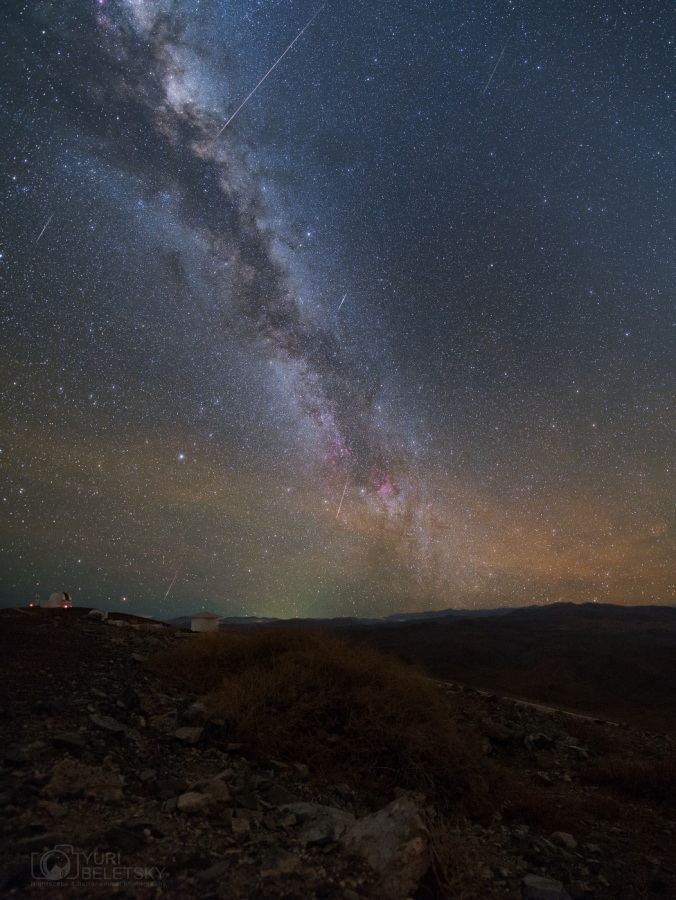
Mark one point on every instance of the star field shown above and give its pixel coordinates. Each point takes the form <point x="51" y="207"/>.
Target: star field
<point x="401" y="337"/>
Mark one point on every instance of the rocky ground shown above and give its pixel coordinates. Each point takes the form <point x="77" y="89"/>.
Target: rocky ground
<point x="149" y="797"/>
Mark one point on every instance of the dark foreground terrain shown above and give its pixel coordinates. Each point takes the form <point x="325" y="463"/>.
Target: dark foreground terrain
<point x="117" y="783"/>
<point x="599" y="659"/>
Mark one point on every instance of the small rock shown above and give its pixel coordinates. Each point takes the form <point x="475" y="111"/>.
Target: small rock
<point x="14" y="756"/>
<point x="108" y="723"/>
<point x="580" y="752"/>
<point x="343" y="790"/>
<point x="320" y="824"/>
<point x="41" y="842"/>
<point x="189" y="735"/>
<point x="217" y="789"/>
<point x="192" y="802"/>
<point x="55" y="810"/>
<point x="70" y="740"/>
<point x="279" y="862"/>
<point x="240" y="826"/>
<point x="220" y="731"/>
<point x="195" y="714"/>
<point x="213" y="872"/>
<point x="278" y="795"/>
<point x="170" y="787"/>
<point x="496" y="732"/>
<point x="143" y="824"/>
<point x="563" y="839"/>
<point x="288" y="821"/>
<point x="537" y="887"/>
<point x="246" y="799"/>
<point x="71" y="778"/>
<point x="254" y="816"/>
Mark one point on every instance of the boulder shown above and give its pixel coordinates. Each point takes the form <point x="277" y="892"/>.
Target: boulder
<point x="395" y="843"/>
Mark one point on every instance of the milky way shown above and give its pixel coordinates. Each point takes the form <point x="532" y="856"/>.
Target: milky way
<point x="486" y="421"/>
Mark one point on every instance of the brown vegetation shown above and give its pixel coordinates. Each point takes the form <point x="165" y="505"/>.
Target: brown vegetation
<point x="645" y="779"/>
<point x="345" y="710"/>
<point x="353" y="714"/>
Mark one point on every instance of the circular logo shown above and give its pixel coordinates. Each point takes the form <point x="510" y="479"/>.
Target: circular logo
<point x="55" y="865"/>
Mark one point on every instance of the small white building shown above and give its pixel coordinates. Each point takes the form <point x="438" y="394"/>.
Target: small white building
<point x="204" y="621"/>
<point x="57" y="600"/>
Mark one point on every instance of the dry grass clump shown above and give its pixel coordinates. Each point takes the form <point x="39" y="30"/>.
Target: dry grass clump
<point x="644" y="779"/>
<point x="521" y="799"/>
<point x="346" y="710"/>
<point x="456" y="863"/>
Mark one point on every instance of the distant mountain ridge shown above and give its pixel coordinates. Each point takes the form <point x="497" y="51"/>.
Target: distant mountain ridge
<point x="337" y="621"/>
<point x="536" y="612"/>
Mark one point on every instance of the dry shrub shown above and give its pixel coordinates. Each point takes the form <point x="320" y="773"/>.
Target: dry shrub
<point x="602" y="805"/>
<point x="456" y="863"/>
<point x="544" y="806"/>
<point x="644" y="779"/>
<point x="346" y="710"/>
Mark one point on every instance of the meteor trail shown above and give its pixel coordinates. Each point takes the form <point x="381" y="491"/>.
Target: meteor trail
<point x="343" y="497"/>
<point x="273" y="66"/>
<point x="171" y="585"/>
<point x="495" y="66"/>
<point x="341" y="302"/>
<point x="45" y="227"/>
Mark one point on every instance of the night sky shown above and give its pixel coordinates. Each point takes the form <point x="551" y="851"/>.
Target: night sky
<point x="400" y="338"/>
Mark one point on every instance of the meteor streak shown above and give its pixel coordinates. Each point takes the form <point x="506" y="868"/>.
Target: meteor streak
<point x="341" y="302"/>
<point x="495" y="66"/>
<point x="340" y="505"/>
<point x="173" y="580"/>
<point x="44" y="228"/>
<point x="272" y="67"/>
